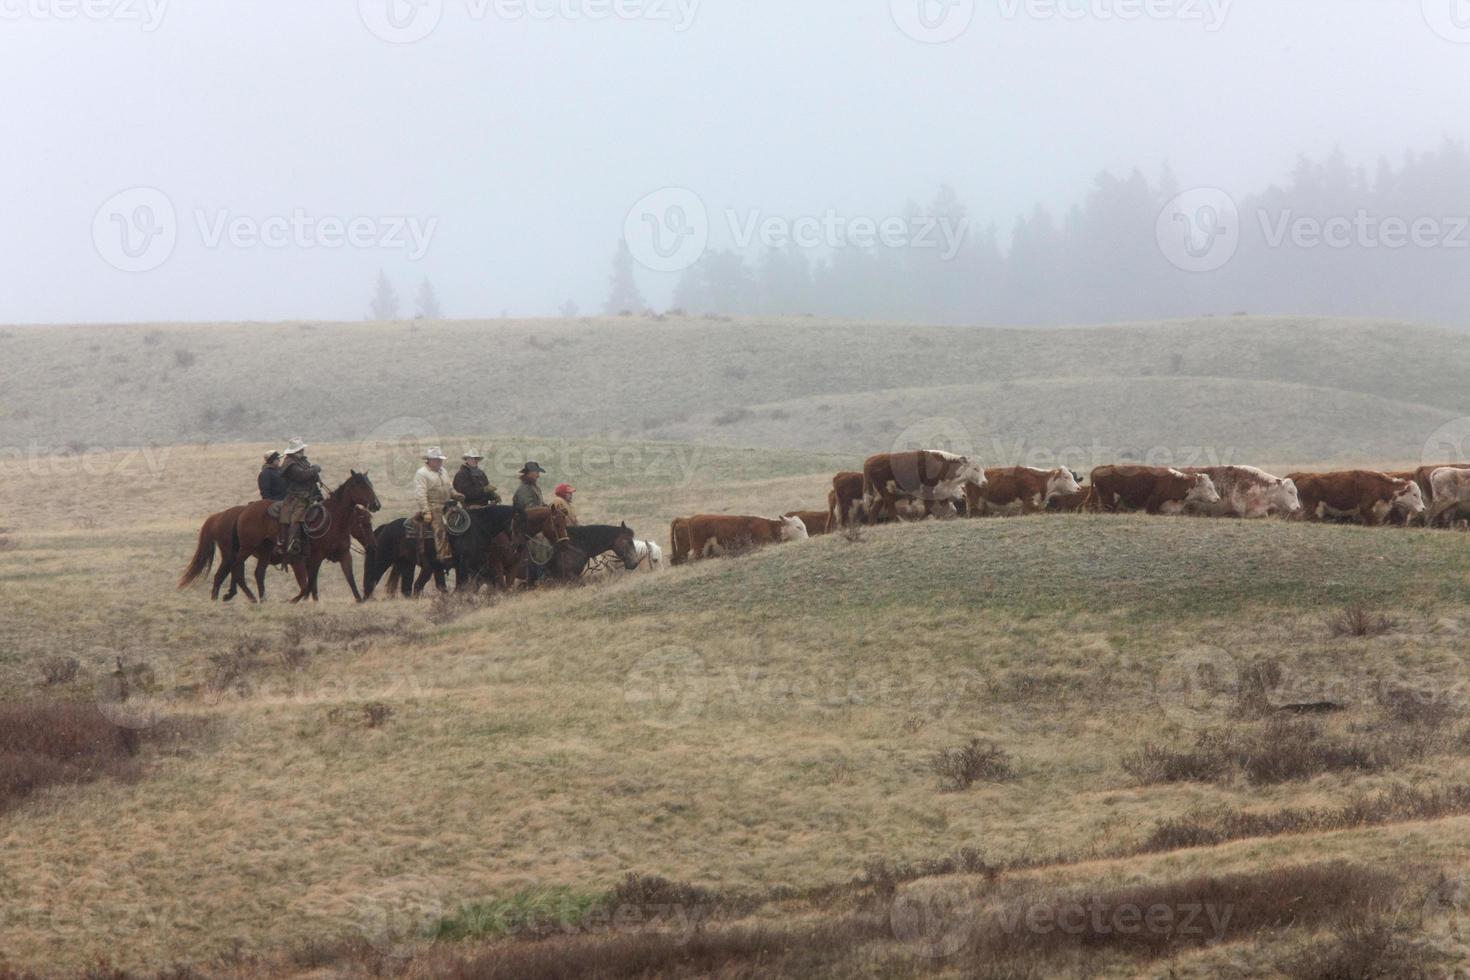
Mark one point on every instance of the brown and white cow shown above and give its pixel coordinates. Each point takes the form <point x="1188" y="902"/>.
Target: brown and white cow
<point x="698" y="537"/>
<point x="1019" y="490"/>
<point x="845" y="501"/>
<point x="1247" y="492"/>
<point x="1152" y="489"/>
<point x="1364" y="494"/>
<point x="816" y="521"/>
<point x="925" y="475"/>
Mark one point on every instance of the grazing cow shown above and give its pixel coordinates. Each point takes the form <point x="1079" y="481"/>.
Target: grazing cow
<point x="1071" y="503"/>
<point x="1363" y="494"/>
<point x="696" y="537"/>
<point x="1450" y="491"/>
<point x="1246" y="492"/>
<point x="924" y="475"/>
<point x="1153" y="489"/>
<point x="816" y="521"/>
<point x="845" y="501"/>
<point x="1019" y="490"/>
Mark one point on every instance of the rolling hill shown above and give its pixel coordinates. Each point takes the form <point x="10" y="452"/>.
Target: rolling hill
<point x="1295" y="390"/>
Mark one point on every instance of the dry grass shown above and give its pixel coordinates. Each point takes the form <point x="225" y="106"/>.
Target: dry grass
<point x="760" y="727"/>
<point x="1358" y="620"/>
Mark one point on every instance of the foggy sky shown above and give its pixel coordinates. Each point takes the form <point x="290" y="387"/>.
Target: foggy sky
<point x="521" y="142"/>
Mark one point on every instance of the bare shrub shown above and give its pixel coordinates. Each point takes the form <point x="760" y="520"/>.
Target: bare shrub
<point x="1358" y="620"/>
<point x="1284" y="749"/>
<point x="375" y="714"/>
<point x="1366" y="947"/>
<point x="60" y="670"/>
<point x="1255" y="686"/>
<point x="1428" y="707"/>
<point x="961" y="768"/>
<point x="44" y="744"/>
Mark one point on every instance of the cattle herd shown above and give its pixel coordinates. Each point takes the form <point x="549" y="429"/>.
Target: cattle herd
<point x="924" y="483"/>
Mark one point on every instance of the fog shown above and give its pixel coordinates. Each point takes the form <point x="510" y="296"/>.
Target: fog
<point x="266" y="161"/>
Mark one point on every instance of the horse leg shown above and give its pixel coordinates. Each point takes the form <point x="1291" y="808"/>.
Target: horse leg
<point x="262" y="565"/>
<point x="303" y="580"/>
<point x="348" y="574"/>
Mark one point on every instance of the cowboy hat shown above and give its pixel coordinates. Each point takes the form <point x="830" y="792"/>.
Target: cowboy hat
<point x="272" y="456"/>
<point x="532" y="466"/>
<point x="294" y="447"/>
<point x="472" y="454"/>
<point x="434" y="452"/>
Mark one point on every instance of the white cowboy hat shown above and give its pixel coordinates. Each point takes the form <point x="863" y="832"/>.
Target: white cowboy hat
<point x="434" y="452"/>
<point x="472" y="454"/>
<point x="294" y="447"/>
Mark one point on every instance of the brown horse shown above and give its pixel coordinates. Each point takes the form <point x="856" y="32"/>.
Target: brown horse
<point x="338" y="548"/>
<point x="217" y="534"/>
<point x="255" y="533"/>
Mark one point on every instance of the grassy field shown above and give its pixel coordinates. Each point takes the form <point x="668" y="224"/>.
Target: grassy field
<point x="1294" y="389"/>
<point x="403" y="787"/>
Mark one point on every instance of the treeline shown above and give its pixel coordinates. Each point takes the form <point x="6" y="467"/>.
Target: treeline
<point x="1332" y="239"/>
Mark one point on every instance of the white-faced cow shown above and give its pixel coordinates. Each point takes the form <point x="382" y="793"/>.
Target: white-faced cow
<point x="1366" y="495"/>
<point x="1019" y="490"/>
<point x="1152" y="489"/>
<point x="1247" y="492"/>
<point x="925" y="475"/>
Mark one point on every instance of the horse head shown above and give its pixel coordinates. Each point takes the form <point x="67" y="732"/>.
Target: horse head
<point x="625" y="544"/>
<point x="360" y="491"/>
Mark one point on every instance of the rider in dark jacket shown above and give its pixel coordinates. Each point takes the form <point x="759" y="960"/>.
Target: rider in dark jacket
<point x="272" y="483"/>
<point x="301" y="476"/>
<point x="474" y="482"/>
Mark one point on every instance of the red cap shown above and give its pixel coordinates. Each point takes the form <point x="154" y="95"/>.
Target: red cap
<point x="565" y="489"/>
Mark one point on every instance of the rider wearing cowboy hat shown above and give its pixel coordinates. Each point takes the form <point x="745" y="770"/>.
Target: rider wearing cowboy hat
<point x="528" y="494"/>
<point x="301" y="477"/>
<point x="562" y="502"/>
<point x="474" y="483"/>
<point x="432" y="491"/>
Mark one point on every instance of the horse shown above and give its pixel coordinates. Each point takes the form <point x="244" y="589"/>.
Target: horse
<point x="588" y="541"/>
<point x="650" y="552"/>
<point x="337" y="547"/>
<point x="497" y="551"/>
<point x="400" y="553"/>
<point x="255" y="530"/>
<point x="488" y="550"/>
<point x="216" y="535"/>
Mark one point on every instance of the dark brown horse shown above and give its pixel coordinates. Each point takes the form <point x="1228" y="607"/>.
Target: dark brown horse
<point x="588" y="541"/>
<point x="255" y="534"/>
<point x="338" y="548"/>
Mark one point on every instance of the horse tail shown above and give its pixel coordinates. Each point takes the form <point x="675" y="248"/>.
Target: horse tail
<point x="202" y="561"/>
<point x="392" y="585"/>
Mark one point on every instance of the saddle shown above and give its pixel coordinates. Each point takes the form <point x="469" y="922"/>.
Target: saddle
<point x="274" y="510"/>
<point x="416" y="530"/>
<point x="540" y="550"/>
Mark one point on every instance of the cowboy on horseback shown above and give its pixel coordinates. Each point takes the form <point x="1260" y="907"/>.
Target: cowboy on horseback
<point x="432" y="491"/>
<point x="302" y="479"/>
<point x="272" y="484"/>
<point x="473" y="483"/>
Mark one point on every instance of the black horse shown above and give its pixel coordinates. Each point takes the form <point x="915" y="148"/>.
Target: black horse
<point x="401" y="554"/>
<point x="488" y="551"/>
<point x="588" y="541"/>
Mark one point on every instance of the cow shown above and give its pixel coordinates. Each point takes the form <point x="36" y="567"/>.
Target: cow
<point x="695" y="538"/>
<point x="845" y="500"/>
<point x="1019" y="490"/>
<point x="679" y="541"/>
<point x="1153" y="489"/>
<point x="1071" y="503"/>
<point x="1450" y="491"/>
<point x="1246" y="492"/>
<point x="1422" y="477"/>
<point x="1365" y="494"/>
<point x="816" y="521"/>
<point x="924" y="475"/>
